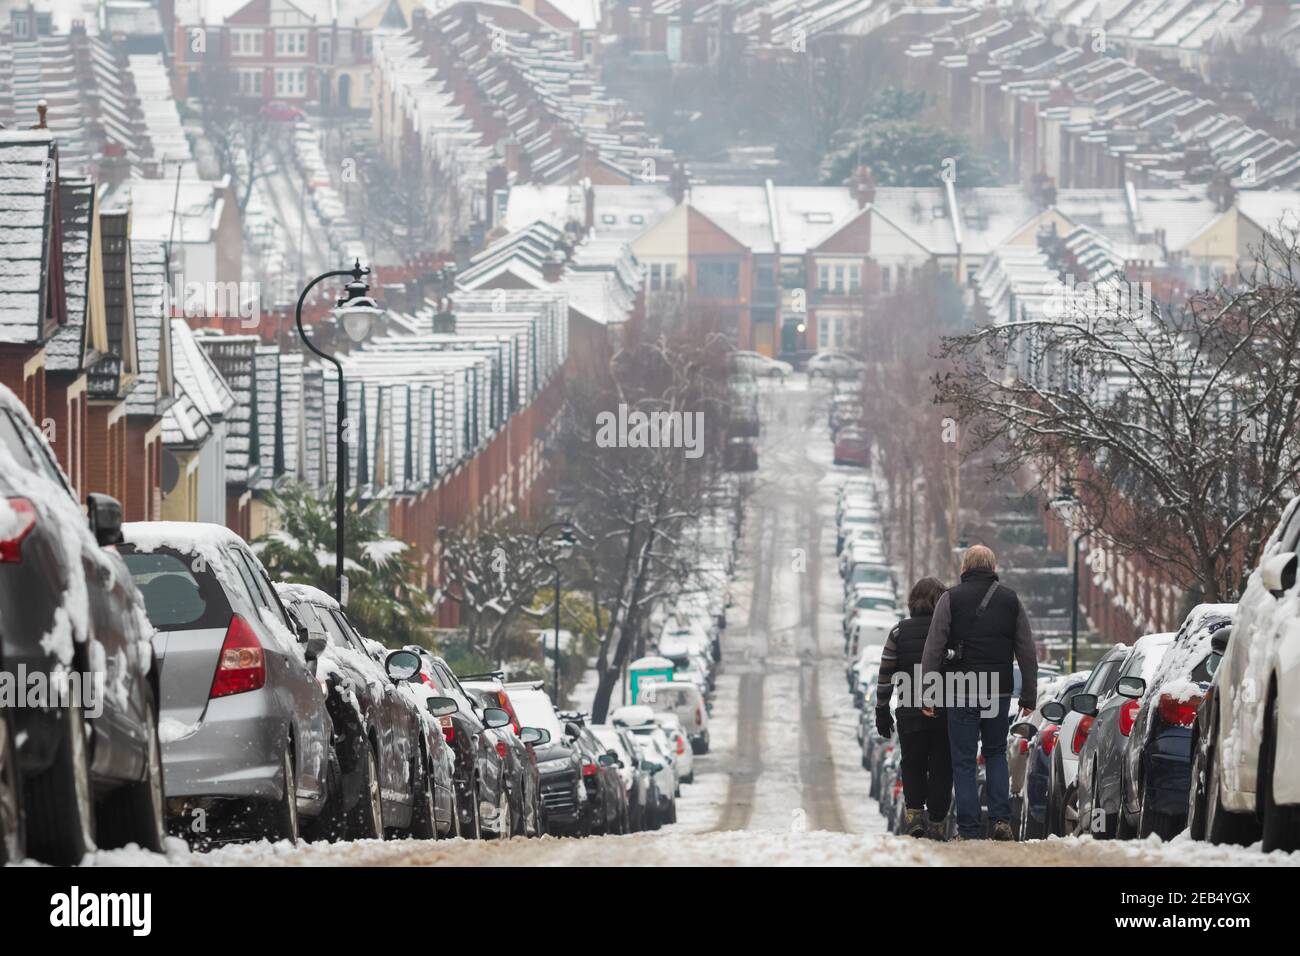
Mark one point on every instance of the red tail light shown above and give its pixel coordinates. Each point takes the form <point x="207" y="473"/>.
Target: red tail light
<point x="1024" y="745"/>
<point x="448" y="729"/>
<point x="898" y="787"/>
<point x="241" y="666"/>
<point x="681" y="744"/>
<point x="1081" y="733"/>
<point x="501" y="749"/>
<point x="588" y="769"/>
<point x="1180" y="713"/>
<point x="1048" y="736"/>
<point x="1128" y="712"/>
<point x="24" y="520"/>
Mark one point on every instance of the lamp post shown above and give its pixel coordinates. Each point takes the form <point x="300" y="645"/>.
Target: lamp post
<point x="561" y="549"/>
<point x="356" y="312"/>
<point x="1065" y="504"/>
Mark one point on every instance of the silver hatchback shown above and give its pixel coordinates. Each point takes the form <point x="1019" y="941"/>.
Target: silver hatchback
<point x="244" y="727"/>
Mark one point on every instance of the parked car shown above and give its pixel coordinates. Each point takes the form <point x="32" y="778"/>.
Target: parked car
<point x="606" y="796"/>
<point x="1030" y="774"/>
<point x="852" y="447"/>
<point x="245" y="729"/>
<point x="481" y="796"/>
<point x="66" y="602"/>
<point x="523" y="781"/>
<point x="672" y="726"/>
<point x="652" y="749"/>
<point x="1247" y="743"/>
<point x="1158" y="760"/>
<point x="1062" y="808"/>
<point x="687" y="703"/>
<point x="757" y="364"/>
<point x="637" y="780"/>
<point x="559" y="761"/>
<point x="832" y="364"/>
<point x="1101" y="760"/>
<point x="382" y="761"/>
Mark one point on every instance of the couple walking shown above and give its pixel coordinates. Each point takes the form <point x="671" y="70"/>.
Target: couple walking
<point x="959" y="645"/>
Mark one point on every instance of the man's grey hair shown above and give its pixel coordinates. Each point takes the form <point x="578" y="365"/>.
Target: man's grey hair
<point x="978" y="558"/>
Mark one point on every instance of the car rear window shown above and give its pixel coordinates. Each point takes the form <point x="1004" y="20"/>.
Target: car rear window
<point x="176" y="595"/>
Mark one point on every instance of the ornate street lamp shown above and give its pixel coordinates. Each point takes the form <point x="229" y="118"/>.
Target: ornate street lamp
<point x="560" y="549"/>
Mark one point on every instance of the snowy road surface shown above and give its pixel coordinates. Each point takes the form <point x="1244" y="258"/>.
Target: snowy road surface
<point x="782" y="783"/>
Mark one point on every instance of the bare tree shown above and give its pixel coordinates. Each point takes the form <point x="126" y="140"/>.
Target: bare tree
<point x="242" y="137"/>
<point x="1178" y="425"/>
<point x="634" y="504"/>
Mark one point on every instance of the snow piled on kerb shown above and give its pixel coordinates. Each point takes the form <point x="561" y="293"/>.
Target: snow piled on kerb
<point x="728" y="848"/>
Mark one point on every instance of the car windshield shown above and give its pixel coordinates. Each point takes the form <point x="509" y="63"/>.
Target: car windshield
<point x="869" y="575"/>
<point x="178" y="594"/>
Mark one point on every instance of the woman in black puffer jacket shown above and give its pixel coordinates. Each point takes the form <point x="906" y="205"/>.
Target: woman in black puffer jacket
<point x="926" y="764"/>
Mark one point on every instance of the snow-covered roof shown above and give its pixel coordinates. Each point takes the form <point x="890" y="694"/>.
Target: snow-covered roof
<point x="26" y="159"/>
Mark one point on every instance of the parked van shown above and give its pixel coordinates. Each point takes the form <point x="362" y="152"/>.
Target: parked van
<point x="686" y="701"/>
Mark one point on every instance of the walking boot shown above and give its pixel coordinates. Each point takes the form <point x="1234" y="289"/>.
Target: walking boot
<point x="937" y="830"/>
<point x="914" y="823"/>
<point x="1002" y="832"/>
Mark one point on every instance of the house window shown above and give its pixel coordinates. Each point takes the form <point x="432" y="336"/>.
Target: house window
<point x="670" y="274"/>
<point x="855" y="278"/>
<point x="823" y="331"/>
<point x="290" y="83"/>
<point x="718" y="279"/>
<point x="20" y="28"/>
<point x="290" y="42"/>
<point x="885" y="273"/>
<point x="250" y="82"/>
<point x="823" y="277"/>
<point x="245" y="42"/>
<point x="656" y="277"/>
<point x="326" y="49"/>
<point x="839" y="280"/>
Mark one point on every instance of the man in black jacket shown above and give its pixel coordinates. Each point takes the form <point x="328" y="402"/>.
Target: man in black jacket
<point x="979" y="628"/>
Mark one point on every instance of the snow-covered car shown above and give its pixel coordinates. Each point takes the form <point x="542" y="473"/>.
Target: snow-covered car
<point x="870" y="628"/>
<point x="245" y="730"/>
<point x="681" y="745"/>
<point x="1062" y="808"/>
<point x="523" y="781"/>
<point x="559" y="763"/>
<point x="1247" y="746"/>
<point x="1157" y="766"/>
<point x="757" y="364"/>
<point x="687" y="702"/>
<point x="68" y="607"/>
<point x="653" y="751"/>
<point x="607" y="805"/>
<point x="832" y="364"/>
<point x="482" y="800"/>
<point x="642" y="798"/>
<point x="1101" y="760"/>
<point x="381" y="754"/>
<point x="862" y="671"/>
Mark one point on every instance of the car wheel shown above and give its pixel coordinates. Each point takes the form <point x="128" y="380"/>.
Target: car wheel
<point x="60" y="808"/>
<point x="283" y="822"/>
<point x="367" y="817"/>
<point x="472" y="829"/>
<point x="1281" y="823"/>
<point x="672" y="812"/>
<point x="504" y="817"/>
<point x="12" y="842"/>
<point x="424" y="822"/>
<point x="1152" y="821"/>
<point x="1220" y="824"/>
<point x="135" y="813"/>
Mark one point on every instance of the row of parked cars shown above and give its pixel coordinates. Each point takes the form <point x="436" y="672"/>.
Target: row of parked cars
<point x="184" y="691"/>
<point x="1196" y="730"/>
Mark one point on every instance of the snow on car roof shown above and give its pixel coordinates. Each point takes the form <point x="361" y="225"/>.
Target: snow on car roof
<point x="294" y="591"/>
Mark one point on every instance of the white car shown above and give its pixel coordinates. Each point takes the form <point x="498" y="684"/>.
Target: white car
<point x="685" y="700"/>
<point x="833" y="365"/>
<point x="1250" y="748"/>
<point x="680" y="743"/>
<point x="870" y="628"/>
<point x="757" y="364"/>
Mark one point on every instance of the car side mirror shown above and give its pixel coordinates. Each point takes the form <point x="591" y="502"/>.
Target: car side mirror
<point x="1131" y="687"/>
<point x="494" y="717"/>
<point x="441" y="706"/>
<point x="1054" y="711"/>
<point x="1024" y="729"/>
<point x="1085" y="704"/>
<point x="1278" y="573"/>
<point x="316" y="644"/>
<point x="1219" y="640"/>
<point x="401" y="666"/>
<point x="534" y="735"/>
<point x="572" y="730"/>
<point x="105" y="514"/>
<point x="608" y="759"/>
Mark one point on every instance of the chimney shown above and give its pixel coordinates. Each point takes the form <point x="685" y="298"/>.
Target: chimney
<point x="553" y="267"/>
<point x="42" y="108"/>
<point x="680" y="183"/>
<point x="863" y="186"/>
<point x="1223" y="193"/>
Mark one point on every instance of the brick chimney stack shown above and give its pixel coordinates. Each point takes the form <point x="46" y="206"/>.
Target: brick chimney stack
<point x="553" y="267"/>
